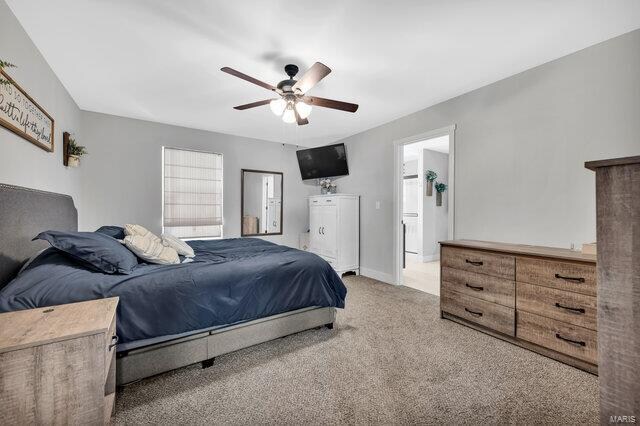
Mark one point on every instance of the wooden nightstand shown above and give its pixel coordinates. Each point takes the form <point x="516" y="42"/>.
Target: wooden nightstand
<point x="57" y="364"/>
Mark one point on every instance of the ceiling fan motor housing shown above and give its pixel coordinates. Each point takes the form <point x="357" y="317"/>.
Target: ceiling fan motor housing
<point x="286" y="85"/>
<point x="291" y="70"/>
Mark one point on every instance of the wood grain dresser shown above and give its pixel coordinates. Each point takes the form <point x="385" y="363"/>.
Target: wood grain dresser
<point x="540" y="298"/>
<point x="57" y="364"/>
<point x="618" y="219"/>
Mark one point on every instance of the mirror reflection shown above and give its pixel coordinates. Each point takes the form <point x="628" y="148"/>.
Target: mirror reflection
<point x="261" y="202"/>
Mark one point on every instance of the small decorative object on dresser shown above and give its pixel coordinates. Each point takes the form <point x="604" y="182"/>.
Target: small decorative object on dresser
<point x="58" y="364"/>
<point x="618" y="235"/>
<point x="326" y="187"/>
<point x="440" y="188"/>
<point x="430" y="176"/>
<point x="540" y="298"/>
<point x="334" y="235"/>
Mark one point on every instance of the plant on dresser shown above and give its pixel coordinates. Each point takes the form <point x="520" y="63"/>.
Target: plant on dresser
<point x="541" y="298"/>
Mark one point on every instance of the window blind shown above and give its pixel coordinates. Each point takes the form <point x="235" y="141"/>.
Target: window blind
<point x="192" y="199"/>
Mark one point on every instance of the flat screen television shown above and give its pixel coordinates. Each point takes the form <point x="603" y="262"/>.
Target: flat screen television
<point x="323" y="162"/>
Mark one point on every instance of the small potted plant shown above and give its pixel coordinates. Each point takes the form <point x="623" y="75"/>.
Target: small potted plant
<point x="430" y="176"/>
<point x="326" y="187"/>
<point x="440" y="188"/>
<point x="75" y="151"/>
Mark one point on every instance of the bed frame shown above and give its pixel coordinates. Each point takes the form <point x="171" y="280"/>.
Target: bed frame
<point x="26" y="212"/>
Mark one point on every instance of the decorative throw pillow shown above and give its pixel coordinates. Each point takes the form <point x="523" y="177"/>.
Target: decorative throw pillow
<point x="140" y="230"/>
<point x="180" y="246"/>
<point x="113" y="231"/>
<point x="150" y="250"/>
<point x="96" y="250"/>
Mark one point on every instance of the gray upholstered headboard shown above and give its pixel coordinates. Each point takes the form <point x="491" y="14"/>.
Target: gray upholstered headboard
<point x="24" y="213"/>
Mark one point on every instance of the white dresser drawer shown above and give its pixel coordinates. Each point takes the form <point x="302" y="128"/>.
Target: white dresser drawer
<point x="324" y="201"/>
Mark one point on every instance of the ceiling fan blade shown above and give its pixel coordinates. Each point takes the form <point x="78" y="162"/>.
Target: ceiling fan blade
<point x="253" y="104"/>
<point x="248" y="78"/>
<point x="317" y="72"/>
<point x="330" y="103"/>
<point x="301" y="121"/>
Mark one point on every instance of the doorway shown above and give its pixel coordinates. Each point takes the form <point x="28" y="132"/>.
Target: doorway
<point x="423" y="206"/>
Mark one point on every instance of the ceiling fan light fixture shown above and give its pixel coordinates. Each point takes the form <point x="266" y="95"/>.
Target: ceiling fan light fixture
<point x="289" y="115"/>
<point x="278" y="106"/>
<point x="303" y="108"/>
<point x="294" y="105"/>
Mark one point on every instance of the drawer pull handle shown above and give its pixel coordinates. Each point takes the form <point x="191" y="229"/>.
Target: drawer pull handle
<point x="576" y="279"/>
<point x="114" y="340"/>
<point x="473" y="262"/>
<point x="478" y="314"/>
<point x="473" y="287"/>
<point x="575" y="342"/>
<point x="569" y="308"/>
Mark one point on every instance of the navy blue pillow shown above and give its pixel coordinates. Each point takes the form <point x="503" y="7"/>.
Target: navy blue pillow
<point x="113" y="231"/>
<point x="100" y="251"/>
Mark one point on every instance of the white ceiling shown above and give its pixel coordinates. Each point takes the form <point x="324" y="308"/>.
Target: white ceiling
<point x="439" y="144"/>
<point x="160" y="60"/>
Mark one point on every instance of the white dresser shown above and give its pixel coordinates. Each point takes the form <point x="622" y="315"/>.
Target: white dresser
<point x="334" y="230"/>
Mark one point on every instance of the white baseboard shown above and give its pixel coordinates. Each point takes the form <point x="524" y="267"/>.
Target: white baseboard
<point x="377" y="275"/>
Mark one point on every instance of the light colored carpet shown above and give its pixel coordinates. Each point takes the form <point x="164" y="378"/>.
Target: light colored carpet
<point x="390" y="359"/>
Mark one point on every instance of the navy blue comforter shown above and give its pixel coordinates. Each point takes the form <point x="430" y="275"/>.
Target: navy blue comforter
<point x="229" y="281"/>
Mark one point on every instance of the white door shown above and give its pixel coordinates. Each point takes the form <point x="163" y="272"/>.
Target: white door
<point x="329" y="226"/>
<point x="273" y="219"/>
<point x="411" y="237"/>
<point x="315" y="226"/>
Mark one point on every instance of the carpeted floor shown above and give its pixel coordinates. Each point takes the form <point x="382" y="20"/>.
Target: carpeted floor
<point x="390" y="359"/>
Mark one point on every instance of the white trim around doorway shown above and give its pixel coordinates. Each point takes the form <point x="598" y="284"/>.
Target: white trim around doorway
<point x="397" y="191"/>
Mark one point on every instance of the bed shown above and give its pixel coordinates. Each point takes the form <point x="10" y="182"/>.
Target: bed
<point x="236" y="293"/>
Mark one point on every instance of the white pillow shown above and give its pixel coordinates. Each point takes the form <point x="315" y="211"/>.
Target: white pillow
<point x="140" y="230"/>
<point x="176" y="243"/>
<point x="151" y="250"/>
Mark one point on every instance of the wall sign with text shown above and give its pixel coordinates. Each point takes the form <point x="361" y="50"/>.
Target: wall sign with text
<point x="23" y="116"/>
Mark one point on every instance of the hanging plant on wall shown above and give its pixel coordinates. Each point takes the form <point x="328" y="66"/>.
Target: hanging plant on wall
<point x="74" y="152"/>
<point x="4" y="64"/>
<point x="430" y="176"/>
<point x="440" y="188"/>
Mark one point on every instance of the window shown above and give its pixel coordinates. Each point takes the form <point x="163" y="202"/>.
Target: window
<point x="192" y="193"/>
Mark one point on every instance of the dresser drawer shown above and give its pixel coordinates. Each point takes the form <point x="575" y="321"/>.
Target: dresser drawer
<point x="482" y="262"/>
<point x="324" y="201"/>
<point x="574" y="308"/>
<point x="490" y="315"/>
<point x="577" y="277"/>
<point x="568" y="339"/>
<point x="485" y="287"/>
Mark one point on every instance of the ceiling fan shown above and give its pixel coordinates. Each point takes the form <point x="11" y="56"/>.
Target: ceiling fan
<point x="294" y="105"/>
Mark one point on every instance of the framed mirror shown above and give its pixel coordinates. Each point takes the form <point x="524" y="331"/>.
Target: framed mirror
<point x="261" y="203"/>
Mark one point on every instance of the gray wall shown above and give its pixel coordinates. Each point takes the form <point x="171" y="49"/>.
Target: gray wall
<point x="520" y="146"/>
<point x="122" y="175"/>
<point x="434" y="218"/>
<point x="21" y="162"/>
